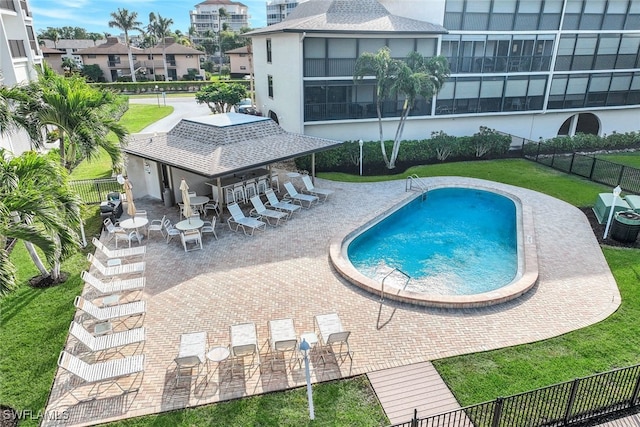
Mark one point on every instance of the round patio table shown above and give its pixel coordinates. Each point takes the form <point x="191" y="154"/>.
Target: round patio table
<point x="189" y="224"/>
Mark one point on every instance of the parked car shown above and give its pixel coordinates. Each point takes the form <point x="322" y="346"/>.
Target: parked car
<point x="245" y="106"/>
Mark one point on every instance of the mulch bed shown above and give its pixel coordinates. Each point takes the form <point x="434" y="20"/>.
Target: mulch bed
<point x="598" y="230"/>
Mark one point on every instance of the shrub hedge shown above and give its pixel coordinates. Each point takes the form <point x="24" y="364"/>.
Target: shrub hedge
<point x="584" y="142"/>
<point x="485" y="144"/>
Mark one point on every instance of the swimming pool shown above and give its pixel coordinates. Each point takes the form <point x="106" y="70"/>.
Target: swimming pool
<point x="458" y="241"/>
<point x="462" y="247"/>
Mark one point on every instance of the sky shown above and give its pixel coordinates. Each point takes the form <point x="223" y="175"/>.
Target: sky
<point x="94" y="15"/>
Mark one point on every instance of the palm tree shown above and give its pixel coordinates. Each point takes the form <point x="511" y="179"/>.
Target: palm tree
<point x="95" y="37"/>
<point x="37" y="207"/>
<point x="418" y="76"/>
<point x="385" y="70"/>
<point x="126" y="22"/>
<point x="79" y="113"/>
<point x="222" y="13"/>
<point x="161" y="31"/>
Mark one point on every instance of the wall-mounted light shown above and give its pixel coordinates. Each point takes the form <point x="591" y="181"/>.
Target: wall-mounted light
<point x="147" y="167"/>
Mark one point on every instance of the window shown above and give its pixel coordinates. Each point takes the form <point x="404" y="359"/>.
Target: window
<point x="91" y="55"/>
<point x="17" y="49"/>
<point x="269" y="51"/>
<point x="270" y="86"/>
<point x="242" y="67"/>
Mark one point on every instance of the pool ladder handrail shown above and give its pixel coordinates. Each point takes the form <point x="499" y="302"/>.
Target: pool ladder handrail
<point x="419" y="183"/>
<point x="389" y="274"/>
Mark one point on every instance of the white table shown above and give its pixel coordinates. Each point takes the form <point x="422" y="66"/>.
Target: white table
<point x="134" y="224"/>
<point x="198" y="202"/>
<point x="293" y="174"/>
<point x="218" y="355"/>
<point x="189" y="224"/>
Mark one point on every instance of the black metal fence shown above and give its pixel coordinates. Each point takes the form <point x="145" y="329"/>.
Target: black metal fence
<point x="564" y="404"/>
<point x="592" y="168"/>
<point x="93" y="191"/>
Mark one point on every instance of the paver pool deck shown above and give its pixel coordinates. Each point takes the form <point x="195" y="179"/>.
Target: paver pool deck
<point x="285" y="272"/>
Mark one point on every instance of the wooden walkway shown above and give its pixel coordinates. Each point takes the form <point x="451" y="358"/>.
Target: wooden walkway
<point x="418" y="386"/>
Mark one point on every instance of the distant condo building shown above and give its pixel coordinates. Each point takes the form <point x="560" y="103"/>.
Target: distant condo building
<point x="20" y="55"/>
<point x="207" y="18"/>
<point x="278" y="10"/>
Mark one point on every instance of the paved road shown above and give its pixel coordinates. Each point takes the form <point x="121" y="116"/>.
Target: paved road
<point x="182" y="107"/>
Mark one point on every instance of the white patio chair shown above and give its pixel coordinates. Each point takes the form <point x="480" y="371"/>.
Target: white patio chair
<point x="156" y="225"/>
<point x="112" y="312"/>
<point x="111" y="228"/>
<point x="191" y="356"/>
<point x="103" y="343"/>
<point x="128" y="237"/>
<point x="209" y="227"/>
<point x="171" y="230"/>
<point x="239" y="193"/>
<point x="113" y="286"/>
<point x="268" y="214"/>
<point x="211" y="206"/>
<point x="119" y="253"/>
<point x="191" y="237"/>
<point x="311" y="189"/>
<point x="274" y="181"/>
<point x="299" y="198"/>
<point x="331" y="334"/>
<point x="262" y="185"/>
<point x="244" y="343"/>
<point x="240" y="220"/>
<point x="250" y="189"/>
<point x="272" y="200"/>
<point x="114" y="270"/>
<point x="106" y="373"/>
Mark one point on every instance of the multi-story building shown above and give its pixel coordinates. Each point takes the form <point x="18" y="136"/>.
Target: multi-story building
<point x="207" y="18"/>
<point x="112" y="57"/>
<point x="239" y="62"/>
<point x="532" y="68"/>
<point x="70" y="48"/>
<point x="19" y="57"/>
<point x="278" y="10"/>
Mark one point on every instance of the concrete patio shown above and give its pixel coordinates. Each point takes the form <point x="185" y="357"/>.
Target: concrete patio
<point x="285" y="273"/>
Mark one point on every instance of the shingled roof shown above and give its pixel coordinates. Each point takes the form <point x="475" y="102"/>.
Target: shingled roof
<point x="222" y="144"/>
<point x="348" y="16"/>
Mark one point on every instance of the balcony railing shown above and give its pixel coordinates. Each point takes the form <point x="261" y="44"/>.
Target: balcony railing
<point x="329" y="67"/>
<point x="8" y="4"/>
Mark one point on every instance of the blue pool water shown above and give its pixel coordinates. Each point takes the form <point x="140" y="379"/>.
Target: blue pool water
<point x="459" y="241"/>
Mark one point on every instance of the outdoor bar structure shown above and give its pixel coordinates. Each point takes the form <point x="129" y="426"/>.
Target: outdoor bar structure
<point x="212" y="153"/>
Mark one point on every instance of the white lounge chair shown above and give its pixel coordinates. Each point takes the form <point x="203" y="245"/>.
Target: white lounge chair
<point x="272" y="200"/>
<point x="332" y="333"/>
<point x="311" y="189"/>
<point x="106" y="373"/>
<point x="268" y="214"/>
<point x="119" y="253"/>
<point x="114" y="286"/>
<point x="103" y="343"/>
<point x="191" y="356"/>
<point x="114" y="270"/>
<point x="299" y="198"/>
<point x="240" y="220"/>
<point x="113" y="312"/>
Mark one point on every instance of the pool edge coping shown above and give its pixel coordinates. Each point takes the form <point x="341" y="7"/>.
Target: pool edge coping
<point x="526" y="276"/>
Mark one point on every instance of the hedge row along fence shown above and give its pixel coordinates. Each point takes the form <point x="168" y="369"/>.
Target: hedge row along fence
<point x="583" y="142"/>
<point x="169" y="87"/>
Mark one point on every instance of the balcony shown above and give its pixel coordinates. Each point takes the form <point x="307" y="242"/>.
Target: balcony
<point x="329" y="67"/>
<point x="361" y="110"/>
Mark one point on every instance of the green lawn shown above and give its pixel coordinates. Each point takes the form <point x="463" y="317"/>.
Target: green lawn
<point x="34" y="322"/>
<point x="628" y="159"/>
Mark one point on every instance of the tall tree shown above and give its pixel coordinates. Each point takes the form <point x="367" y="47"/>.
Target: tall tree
<point x="51" y="34"/>
<point x="220" y="97"/>
<point x="126" y="21"/>
<point x="222" y="13"/>
<point x="37" y="207"/>
<point x="161" y="30"/>
<point x="95" y="37"/>
<point x="417" y="76"/>
<point x="80" y="114"/>
<point x="384" y="69"/>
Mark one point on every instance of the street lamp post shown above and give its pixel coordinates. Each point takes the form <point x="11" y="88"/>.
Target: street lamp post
<point x="305" y="347"/>
<point x="158" y="96"/>
<point x="616" y="193"/>
<point x="360" y="143"/>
